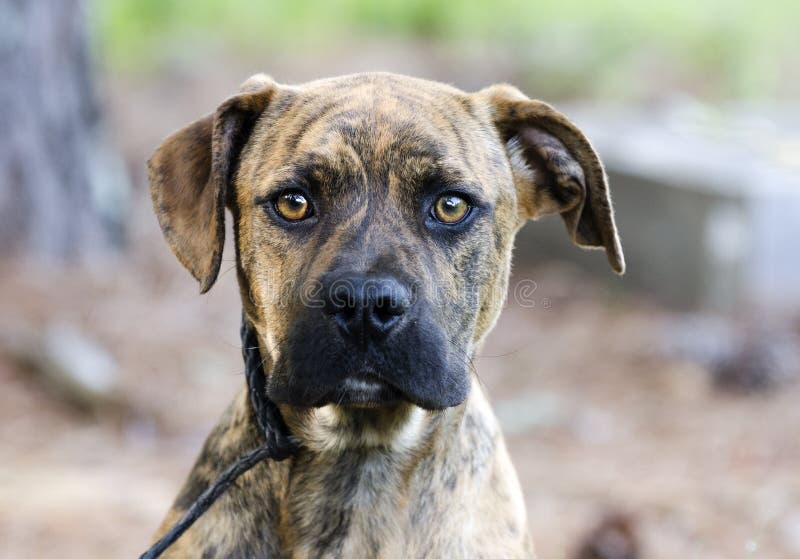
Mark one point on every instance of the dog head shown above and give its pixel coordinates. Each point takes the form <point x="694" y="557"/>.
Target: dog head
<point x="374" y="217"/>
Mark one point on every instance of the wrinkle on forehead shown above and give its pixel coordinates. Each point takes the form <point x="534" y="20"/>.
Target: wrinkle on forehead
<point x="375" y="134"/>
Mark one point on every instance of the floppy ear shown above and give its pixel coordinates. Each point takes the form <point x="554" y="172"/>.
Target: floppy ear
<point x="555" y="170"/>
<point x="190" y="174"/>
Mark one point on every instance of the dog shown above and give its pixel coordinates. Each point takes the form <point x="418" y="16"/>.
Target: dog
<point x="374" y="217"/>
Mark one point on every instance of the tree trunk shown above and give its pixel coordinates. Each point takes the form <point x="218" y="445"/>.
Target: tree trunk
<point x="63" y="192"/>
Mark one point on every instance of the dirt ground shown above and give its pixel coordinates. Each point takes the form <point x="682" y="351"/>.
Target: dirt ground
<point x="598" y="417"/>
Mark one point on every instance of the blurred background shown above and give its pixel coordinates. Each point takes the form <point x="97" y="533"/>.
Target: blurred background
<point x="654" y="415"/>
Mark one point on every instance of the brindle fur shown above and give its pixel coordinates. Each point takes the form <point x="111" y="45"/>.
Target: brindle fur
<point x="394" y="480"/>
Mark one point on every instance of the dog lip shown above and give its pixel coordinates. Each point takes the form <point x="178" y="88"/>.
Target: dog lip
<point x="363" y="389"/>
<point x="363" y="384"/>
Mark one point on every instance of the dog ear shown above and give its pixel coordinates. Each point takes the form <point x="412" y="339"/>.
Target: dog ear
<point x="555" y="170"/>
<point x="190" y="174"/>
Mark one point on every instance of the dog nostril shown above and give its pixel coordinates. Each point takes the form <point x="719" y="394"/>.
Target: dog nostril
<point x="385" y="315"/>
<point x="387" y="309"/>
<point x="391" y="305"/>
<point x="342" y="300"/>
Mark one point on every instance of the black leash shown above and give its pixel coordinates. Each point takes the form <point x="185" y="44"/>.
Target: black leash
<point x="279" y="443"/>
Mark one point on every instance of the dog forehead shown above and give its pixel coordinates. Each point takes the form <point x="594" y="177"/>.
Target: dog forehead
<point x="376" y="120"/>
<point x="382" y="106"/>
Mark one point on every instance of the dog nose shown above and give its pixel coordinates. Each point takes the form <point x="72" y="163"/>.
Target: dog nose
<point x="367" y="306"/>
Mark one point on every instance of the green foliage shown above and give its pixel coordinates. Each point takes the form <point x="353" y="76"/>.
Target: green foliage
<point x="741" y="46"/>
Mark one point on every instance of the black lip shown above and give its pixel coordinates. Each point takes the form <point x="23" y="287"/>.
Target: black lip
<point x="374" y="392"/>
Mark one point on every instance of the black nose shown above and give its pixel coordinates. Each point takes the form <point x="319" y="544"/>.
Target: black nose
<point x="366" y="305"/>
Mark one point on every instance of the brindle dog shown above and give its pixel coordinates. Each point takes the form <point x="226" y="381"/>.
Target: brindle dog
<point x="374" y="217"/>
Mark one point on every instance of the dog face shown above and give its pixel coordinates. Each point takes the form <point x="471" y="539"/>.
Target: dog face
<point x="374" y="218"/>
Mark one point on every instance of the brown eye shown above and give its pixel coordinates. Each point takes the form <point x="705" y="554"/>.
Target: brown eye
<point x="450" y="208"/>
<point x="293" y="206"/>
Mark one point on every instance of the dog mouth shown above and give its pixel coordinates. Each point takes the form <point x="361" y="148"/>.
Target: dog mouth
<point x="362" y="390"/>
<point x="418" y="365"/>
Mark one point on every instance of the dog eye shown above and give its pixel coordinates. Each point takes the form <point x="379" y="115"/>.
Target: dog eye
<point x="451" y="208"/>
<point x="293" y="206"/>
